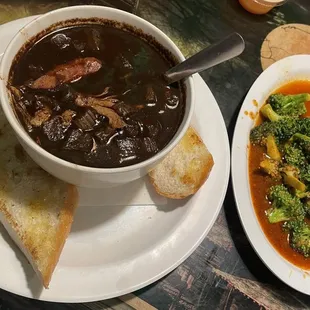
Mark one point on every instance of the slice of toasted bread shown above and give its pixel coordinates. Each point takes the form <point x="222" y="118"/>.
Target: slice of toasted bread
<point x="185" y="169"/>
<point x="35" y="208"/>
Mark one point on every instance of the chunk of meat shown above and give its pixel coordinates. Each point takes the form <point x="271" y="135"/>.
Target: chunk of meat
<point x="153" y="128"/>
<point x="36" y="102"/>
<point x="88" y="101"/>
<point x="115" y="120"/>
<point x="105" y="135"/>
<point x="132" y="130"/>
<point x="68" y="72"/>
<point x="61" y="40"/>
<point x="128" y="147"/>
<point x="87" y="121"/>
<point x="150" y="145"/>
<point x="94" y="158"/>
<point x="56" y="127"/>
<point x="41" y="116"/>
<point x="79" y="141"/>
<point x="124" y="109"/>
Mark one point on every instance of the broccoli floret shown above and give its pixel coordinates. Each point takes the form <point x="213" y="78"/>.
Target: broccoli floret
<point x="270" y="114"/>
<point x="303" y="126"/>
<point x="292" y="179"/>
<point x="292" y="105"/>
<point x="305" y="174"/>
<point x="282" y="130"/>
<point x="259" y="134"/>
<point x="271" y="167"/>
<point x="299" y="236"/>
<point x="303" y="141"/>
<point x="285" y="206"/>
<point x="302" y="195"/>
<point x="296" y="155"/>
<point x="272" y="148"/>
<point x="293" y="155"/>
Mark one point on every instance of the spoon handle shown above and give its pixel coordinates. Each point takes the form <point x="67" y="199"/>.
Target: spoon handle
<point x="228" y="48"/>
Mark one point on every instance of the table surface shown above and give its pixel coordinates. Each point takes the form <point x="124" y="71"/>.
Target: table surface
<point x="224" y="272"/>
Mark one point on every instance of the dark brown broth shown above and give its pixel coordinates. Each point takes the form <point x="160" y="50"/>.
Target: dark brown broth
<point x="130" y="66"/>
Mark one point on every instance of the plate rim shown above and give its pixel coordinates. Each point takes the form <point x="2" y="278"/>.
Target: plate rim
<point x="284" y="65"/>
<point x="192" y="248"/>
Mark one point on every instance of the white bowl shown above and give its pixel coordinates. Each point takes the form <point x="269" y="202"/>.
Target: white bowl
<point x="278" y="74"/>
<point x="69" y="172"/>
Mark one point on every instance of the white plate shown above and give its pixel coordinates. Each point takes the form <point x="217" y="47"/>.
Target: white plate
<point x="126" y="238"/>
<point x="283" y="71"/>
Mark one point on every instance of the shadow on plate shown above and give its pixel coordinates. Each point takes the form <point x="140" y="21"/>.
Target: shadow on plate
<point x="138" y="192"/>
<point x="170" y="205"/>
<point x="89" y="218"/>
<point x="100" y="206"/>
<point x="34" y="284"/>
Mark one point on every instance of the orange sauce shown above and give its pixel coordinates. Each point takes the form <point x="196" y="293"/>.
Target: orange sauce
<point x="260" y="184"/>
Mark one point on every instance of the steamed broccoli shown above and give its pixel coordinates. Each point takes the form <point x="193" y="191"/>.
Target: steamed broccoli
<point x="272" y="148"/>
<point x="296" y="154"/>
<point x="282" y="130"/>
<point x="285" y="206"/>
<point x="293" y="155"/>
<point x="292" y="179"/>
<point x="270" y="114"/>
<point x="279" y="126"/>
<point x="271" y="167"/>
<point x="299" y="236"/>
<point x="303" y="126"/>
<point x="292" y="105"/>
<point x="305" y="174"/>
<point x="303" y="141"/>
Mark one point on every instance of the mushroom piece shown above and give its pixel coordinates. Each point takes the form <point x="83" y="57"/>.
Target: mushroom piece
<point x="88" y="101"/>
<point x="115" y="120"/>
<point x="41" y="116"/>
<point x="67" y="117"/>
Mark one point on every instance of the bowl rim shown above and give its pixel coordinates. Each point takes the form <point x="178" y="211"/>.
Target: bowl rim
<point x="25" y="137"/>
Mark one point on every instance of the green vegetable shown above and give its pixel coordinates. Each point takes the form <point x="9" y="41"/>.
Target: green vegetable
<point x="303" y="141"/>
<point x="285" y="206"/>
<point x="292" y="105"/>
<point x="299" y="236"/>
<point x="282" y="130"/>
<point x="286" y="138"/>
<point x="271" y="167"/>
<point x="296" y="154"/>
<point x="272" y="148"/>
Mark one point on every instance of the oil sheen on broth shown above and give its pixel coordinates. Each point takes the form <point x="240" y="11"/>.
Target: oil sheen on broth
<point x="92" y="95"/>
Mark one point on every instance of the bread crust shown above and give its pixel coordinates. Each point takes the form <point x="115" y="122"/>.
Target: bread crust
<point x="64" y="227"/>
<point x="191" y="137"/>
<point x="70" y="203"/>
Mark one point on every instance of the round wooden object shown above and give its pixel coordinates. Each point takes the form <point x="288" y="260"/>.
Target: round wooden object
<point x="286" y="40"/>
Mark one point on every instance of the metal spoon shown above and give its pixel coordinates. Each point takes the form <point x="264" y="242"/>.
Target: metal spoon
<point x="228" y="48"/>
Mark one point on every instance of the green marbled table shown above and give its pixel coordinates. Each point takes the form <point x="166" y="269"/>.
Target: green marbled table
<point x="224" y="272"/>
